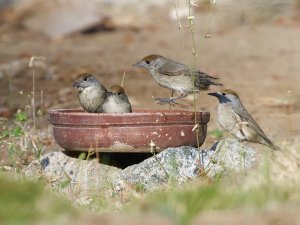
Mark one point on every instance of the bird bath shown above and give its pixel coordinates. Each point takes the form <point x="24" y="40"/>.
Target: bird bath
<point x="76" y="130"/>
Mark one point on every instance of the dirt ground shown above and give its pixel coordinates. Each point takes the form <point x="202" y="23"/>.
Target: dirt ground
<point x="258" y="59"/>
<point x="253" y="52"/>
<point x="258" y="56"/>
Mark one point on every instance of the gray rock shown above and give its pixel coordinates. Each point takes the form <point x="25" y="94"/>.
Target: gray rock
<point x="180" y="164"/>
<point x="185" y="163"/>
<point x="74" y="177"/>
<point x="82" y="178"/>
<point x="229" y="155"/>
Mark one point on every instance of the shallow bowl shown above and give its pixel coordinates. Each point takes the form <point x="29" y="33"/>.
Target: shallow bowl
<point x="76" y="130"/>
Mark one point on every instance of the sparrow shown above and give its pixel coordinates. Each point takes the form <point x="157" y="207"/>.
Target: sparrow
<point x="116" y="101"/>
<point x="91" y="93"/>
<point x="235" y="119"/>
<point x="175" y="76"/>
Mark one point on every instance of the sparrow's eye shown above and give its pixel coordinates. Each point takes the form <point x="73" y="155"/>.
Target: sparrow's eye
<point x="85" y="79"/>
<point x="147" y="61"/>
<point x="223" y="93"/>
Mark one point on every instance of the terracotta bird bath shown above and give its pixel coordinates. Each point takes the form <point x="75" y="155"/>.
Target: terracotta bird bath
<point x="76" y="130"/>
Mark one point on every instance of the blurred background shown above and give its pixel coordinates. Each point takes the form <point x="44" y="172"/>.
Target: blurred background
<point x="253" y="46"/>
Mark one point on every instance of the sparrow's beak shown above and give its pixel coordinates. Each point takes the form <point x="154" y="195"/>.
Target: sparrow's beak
<point x="109" y="93"/>
<point x="138" y="65"/>
<point x="216" y="94"/>
<point x="75" y="84"/>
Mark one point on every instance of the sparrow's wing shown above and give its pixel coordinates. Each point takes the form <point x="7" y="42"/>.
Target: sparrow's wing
<point x="172" y="68"/>
<point x="200" y="74"/>
<point x="245" y="117"/>
<point x="202" y="80"/>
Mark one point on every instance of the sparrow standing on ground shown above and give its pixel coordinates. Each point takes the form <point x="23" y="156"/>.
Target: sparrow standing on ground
<point x="175" y="76"/>
<point x="116" y="101"/>
<point x="91" y="93"/>
<point x="233" y="116"/>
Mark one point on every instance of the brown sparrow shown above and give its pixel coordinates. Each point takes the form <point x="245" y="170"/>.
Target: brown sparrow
<point x="91" y="93"/>
<point x="233" y="116"/>
<point x="116" y="101"/>
<point x="175" y="76"/>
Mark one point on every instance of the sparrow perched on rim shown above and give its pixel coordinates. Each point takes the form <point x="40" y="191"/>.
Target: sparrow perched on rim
<point x="116" y="101"/>
<point x="235" y="119"/>
<point x="91" y="93"/>
<point x="176" y="76"/>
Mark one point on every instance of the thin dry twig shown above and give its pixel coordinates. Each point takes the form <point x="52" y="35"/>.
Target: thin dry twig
<point x="32" y="65"/>
<point x="123" y="78"/>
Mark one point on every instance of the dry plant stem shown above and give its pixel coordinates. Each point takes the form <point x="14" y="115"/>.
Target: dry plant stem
<point x="42" y="100"/>
<point x="98" y="156"/>
<point x="123" y="78"/>
<point x="153" y="151"/>
<point x="161" y="166"/>
<point x="91" y="152"/>
<point x="267" y="169"/>
<point x="33" y="97"/>
<point x="289" y="117"/>
<point x="31" y="65"/>
<point x="33" y="144"/>
<point x="217" y="151"/>
<point x="177" y="16"/>
<point x="210" y="17"/>
<point x="97" y="151"/>
<point x="194" y="51"/>
<point x="242" y="159"/>
<point x="10" y="87"/>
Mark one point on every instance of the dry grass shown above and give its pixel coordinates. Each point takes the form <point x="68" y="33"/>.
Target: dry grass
<point x="273" y="183"/>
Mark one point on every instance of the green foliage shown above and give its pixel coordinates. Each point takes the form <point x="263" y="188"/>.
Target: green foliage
<point x="11" y="150"/>
<point x="23" y="202"/>
<point x="4" y="133"/>
<point x="65" y="183"/>
<point x="20" y="139"/>
<point x="139" y="187"/>
<point x="17" y="132"/>
<point x="21" y="116"/>
<point x="183" y="205"/>
<point x="216" y="133"/>
<point x="39" y="112"/>
<point x="82" y="156"/>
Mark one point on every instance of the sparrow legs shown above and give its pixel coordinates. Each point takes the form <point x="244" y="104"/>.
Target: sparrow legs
<point x="171" y="100"/>
<point x="172" y="94"/>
